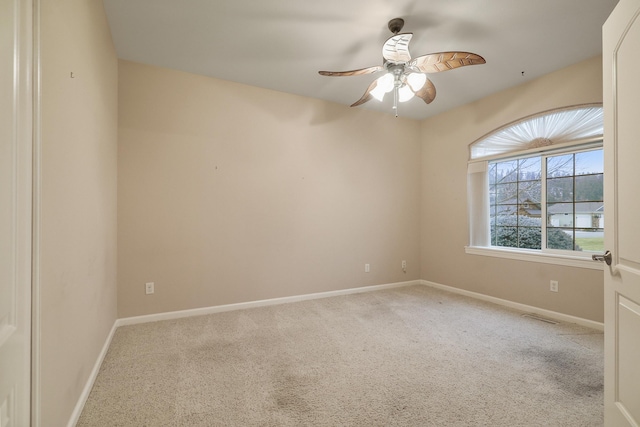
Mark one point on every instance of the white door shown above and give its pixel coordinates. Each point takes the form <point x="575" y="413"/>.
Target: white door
<point x="15" y="211"/>
<point x="621" y="72"/>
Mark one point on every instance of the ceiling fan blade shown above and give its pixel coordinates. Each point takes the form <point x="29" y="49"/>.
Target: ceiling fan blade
<point x="444" y="61"/>
<point x="367" y="95"/>
<point x="359" y="72"/>
<point x="427" y="92"/>
<point x="396" y="48"/>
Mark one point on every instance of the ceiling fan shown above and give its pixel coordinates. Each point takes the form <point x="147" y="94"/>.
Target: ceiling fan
<point x="404" y="76"/>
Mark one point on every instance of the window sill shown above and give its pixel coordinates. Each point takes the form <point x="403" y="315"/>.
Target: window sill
<point x="524" y="255"/>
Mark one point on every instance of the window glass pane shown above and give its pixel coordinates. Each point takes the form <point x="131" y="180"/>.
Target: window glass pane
<point x="502" y="210"/>
<point x="530" y="192"/>
<point x="589" y="162"/>
<point x="530" y="237"/>
<point x="560" y="215"/>
<point x="507" y="236"/>
<point x="507" y="171"/>
<point x="507" y="193"/>
<point x="589" y="215"/>
<point x="560" y="189"/>
<point x="591" y="240"/>
<point x="527" y="221"/>
<point x="493" y="228"/>
<point x="529" y="210"/>
<point x="589" y="188"/>
<point x="507" y="218"/>
<point x="492" y="173"/>
<point x="558" y="166"/>
<point x="560" y="238"/>
<point x="530" y="169"/>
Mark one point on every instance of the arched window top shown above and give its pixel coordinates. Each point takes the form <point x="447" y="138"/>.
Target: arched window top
<point x="548" y="128"/>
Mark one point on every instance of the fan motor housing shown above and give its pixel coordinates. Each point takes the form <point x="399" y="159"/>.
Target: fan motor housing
<point x="395" y="25"/>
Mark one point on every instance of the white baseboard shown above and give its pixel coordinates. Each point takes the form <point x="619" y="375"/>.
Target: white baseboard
<point x="518" y="306"/>
<point x="75" y="415"/>
<point x="252" y="304"/>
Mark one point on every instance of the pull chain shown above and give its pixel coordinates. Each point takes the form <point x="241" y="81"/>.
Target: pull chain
<point x="395" y="99"/>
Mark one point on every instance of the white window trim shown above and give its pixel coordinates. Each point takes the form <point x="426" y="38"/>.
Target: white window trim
<point x="533" y="255"/>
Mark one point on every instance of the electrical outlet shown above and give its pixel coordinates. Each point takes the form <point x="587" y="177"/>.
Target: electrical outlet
<point x="149" y="288"/>
<point x="553" y="286"/>
<point x="367" y="268"/>
<point x="404" y="266"/>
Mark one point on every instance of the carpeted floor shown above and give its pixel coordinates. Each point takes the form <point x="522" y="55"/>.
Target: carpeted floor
<point x="412" y="356"/>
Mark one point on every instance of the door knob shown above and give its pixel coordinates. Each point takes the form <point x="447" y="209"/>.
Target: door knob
<point x="606" y="257"/>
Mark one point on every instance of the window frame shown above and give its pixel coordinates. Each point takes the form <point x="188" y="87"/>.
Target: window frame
<point x="544" y="255"/>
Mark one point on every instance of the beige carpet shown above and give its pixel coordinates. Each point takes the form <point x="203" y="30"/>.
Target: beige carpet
<point x="413" y="356"/>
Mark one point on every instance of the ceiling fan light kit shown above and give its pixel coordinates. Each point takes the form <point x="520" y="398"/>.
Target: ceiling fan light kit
<point x="404" y="76"/>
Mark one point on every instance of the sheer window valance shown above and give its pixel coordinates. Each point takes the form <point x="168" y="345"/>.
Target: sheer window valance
<point x="548" y="128"/>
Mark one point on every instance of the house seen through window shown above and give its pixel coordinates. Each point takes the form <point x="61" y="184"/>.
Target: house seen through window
<point x="550" y="202"/>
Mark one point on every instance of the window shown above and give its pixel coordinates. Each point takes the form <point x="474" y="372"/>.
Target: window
<point x="535" y="188"/>
<point x="548" y="202"/>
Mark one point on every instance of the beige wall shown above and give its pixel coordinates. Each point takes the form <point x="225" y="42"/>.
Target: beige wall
<point x="229" y="193"/>
<point x="78" y="199"/>
<point x="444" y="231"/>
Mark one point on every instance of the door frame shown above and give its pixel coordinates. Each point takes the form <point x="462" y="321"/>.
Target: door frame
<point x="24" y="127"/>
<point x="35" y="215"/>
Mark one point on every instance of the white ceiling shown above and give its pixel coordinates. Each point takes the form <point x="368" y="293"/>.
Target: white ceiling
<point x="282" y="44"/>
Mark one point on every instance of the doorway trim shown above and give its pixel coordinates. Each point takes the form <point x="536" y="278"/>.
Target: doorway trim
<point x="35" y="217"/>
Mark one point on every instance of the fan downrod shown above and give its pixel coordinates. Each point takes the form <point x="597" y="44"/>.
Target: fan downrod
<point x="396" y="24"/>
